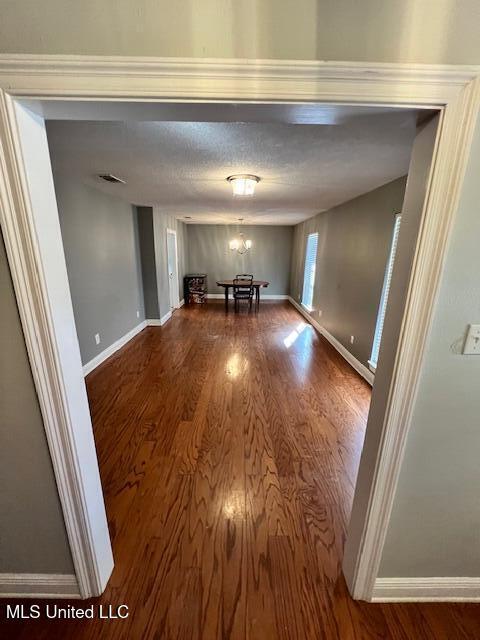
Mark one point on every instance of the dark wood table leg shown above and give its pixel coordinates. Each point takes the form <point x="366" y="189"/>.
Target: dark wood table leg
<point x="226" y="298"/>
<point x="257" y="296"/>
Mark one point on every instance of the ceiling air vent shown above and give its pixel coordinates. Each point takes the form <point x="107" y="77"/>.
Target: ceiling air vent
<point x="108" y="177"/>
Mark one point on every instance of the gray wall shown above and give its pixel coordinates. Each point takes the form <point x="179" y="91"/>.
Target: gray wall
<point x="32" y="532"/>
<point x="100" y="239"/>
<point x="435" y="522"/>
<point x="353" y="244"/>
<point x="147" y="258"/>
<point x="430" y="31"/>
<point x="161" y="222"/>
<point x="268" y="259"/>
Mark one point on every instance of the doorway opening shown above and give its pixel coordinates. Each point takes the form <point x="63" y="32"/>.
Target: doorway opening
<point x="172" y="267"/>
<point x="18" y="121"/>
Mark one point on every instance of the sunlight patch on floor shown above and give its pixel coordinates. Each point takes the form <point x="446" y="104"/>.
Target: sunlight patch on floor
<point x="293" y="335"/>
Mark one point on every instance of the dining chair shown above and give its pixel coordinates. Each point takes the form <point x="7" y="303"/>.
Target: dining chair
<point x="242" y="289"/>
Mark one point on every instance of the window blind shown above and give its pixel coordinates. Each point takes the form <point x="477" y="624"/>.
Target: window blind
<point x="309" y="272"/>
<point x="385" y="291"/>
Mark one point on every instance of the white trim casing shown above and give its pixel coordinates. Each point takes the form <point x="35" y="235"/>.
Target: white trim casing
<point x="354" y="362"/>
<point x="182" y="302"/>
<point x="426" y="590"/>
<point x="446" y="176"/>
<point x="453" y="89"/>
<point x="176" y="302"/>
<point x="38" y="585"/>
<point x="113" y="348"/>
<point x="31" y="230"/>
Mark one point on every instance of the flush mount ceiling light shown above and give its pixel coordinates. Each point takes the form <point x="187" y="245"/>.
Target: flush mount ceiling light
<point x="243" y="184"/>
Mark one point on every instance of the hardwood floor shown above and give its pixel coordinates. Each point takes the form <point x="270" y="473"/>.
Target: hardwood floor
<point x="228" y="449"/>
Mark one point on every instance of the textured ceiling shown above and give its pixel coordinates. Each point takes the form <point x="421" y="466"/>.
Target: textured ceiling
<point x="182" y="166"/>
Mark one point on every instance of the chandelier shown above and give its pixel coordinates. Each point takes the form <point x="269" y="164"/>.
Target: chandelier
<point x="240" y="244"/>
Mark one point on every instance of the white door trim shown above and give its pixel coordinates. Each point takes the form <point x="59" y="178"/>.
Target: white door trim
<point x="31" y="231"/>
<point x="176" y="301"/>
<point x="454" y="89"/>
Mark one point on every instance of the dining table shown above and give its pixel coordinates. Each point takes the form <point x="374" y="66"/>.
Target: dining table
<point x="256" y="284"/>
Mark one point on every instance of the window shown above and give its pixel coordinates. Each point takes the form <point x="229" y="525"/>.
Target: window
<point x="309" y="273"/>
<point x="384" y="298"/>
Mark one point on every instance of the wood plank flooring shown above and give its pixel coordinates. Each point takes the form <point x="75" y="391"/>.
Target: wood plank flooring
<point x="228" y="449"/>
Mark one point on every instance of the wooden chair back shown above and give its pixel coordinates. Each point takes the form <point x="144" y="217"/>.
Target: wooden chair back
<point x="242" y="286"/>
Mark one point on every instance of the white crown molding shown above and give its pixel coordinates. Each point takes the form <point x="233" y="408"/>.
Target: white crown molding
<point x="426" y="590"/>
<point x="38" y="585"/>
<point x="345" y="353"/>
<point x="194" y="79"/>
<point x="113" y="348"/>
<point x="26" y="64"/>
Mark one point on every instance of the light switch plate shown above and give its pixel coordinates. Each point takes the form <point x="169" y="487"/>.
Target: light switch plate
<point x="472" y="341"/>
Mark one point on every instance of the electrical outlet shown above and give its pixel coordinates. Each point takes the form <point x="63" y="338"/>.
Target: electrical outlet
<point x="97" y="338"/>
<point x="352" y="339"/>
<point x="138" y="313"/>
<point x="320" y="313"/>
<point x="472" y="341"/>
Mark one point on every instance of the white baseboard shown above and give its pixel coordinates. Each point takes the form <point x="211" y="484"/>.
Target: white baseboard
<point x="38" y="585"/>
<point x="159" y="322"/>
<point x="109" y="351"/>
<point x="118" y="344"/>
<point x="221" y="296"/>
<point x="356" y="364"/>
<point x="182" y="302"/>
<point x="164" y="318"/>
<point x="426" y="590"/>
